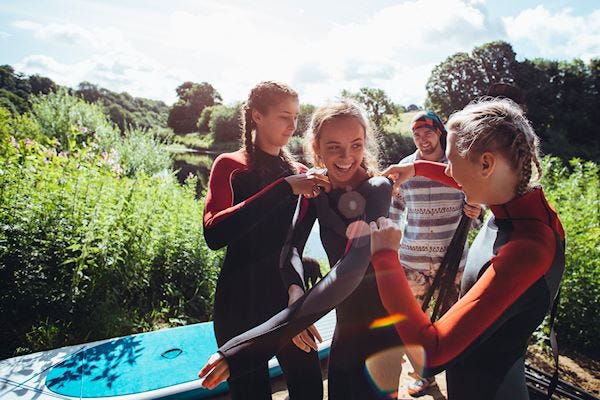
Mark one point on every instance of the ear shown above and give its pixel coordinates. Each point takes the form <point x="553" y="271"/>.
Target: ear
<point x="256" y="115"/>
<point x="316" y="150"/>
<point x="487" y="164"/>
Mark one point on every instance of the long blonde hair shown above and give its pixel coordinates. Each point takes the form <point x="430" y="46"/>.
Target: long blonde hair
<point x="343" y="108"/>
<point x="499" y="125"/>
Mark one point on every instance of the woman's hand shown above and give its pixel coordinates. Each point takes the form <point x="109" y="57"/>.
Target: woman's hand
<point x="214" y="372"/>
<point x="385" y="235"/>
<point x="472" y="210"/>
<point x="305" y="340"/>
<point x="399" y="173"/>
<point x="309" y="184"/>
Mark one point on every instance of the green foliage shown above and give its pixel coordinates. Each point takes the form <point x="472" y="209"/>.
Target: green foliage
<point x="561" y="97"/>
<point x="462" y="77"/>
<point x="125" y="110"/>
<point x="306" y="111"/>
<point x="23" y="126"/>
<point x="574" y="192"/>
<point x="193" y="99"/>
<point x="140" y="151"/>
<point x="224" y="124"/>
<point x="86" y="253"/>
<point x="72" y="121"/>
<point x="378" y="105"/>
<point x="394" y="147"/>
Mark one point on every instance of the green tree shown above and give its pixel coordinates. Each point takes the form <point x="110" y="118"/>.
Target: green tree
<point x="378" y="105"/>
<point x="462" y="77"/>
<point x="306" y="111"/>
<point x="224" y="124"/>
<point x="193" y="98"/>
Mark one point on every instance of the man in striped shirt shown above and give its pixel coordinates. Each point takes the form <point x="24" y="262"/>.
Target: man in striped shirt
<point x="430" y="213"/>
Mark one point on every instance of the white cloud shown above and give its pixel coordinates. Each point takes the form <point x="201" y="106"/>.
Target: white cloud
<point x="233" y="48"/>
<point x="115" y="73"/>
<point x="395" y="48"/>
<point x="74" y="35"/>
<point x="4" y="35"/>
<point x="559" y="35"/>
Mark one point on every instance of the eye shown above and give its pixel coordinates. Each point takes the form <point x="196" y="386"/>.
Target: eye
<point x="357" y="145"/>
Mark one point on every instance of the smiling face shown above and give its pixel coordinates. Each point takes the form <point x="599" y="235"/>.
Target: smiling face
<point x="275" y="127"/>
<point x="427" y="141"/>
<point x="341" y="147"/>
<point x="465" y="172"/>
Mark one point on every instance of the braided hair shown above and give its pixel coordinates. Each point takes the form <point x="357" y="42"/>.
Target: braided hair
<point x="499" y="125"/>
<point x="263" y="96"/>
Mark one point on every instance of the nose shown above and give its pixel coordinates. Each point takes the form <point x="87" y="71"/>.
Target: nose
<point x="293" y="124"/>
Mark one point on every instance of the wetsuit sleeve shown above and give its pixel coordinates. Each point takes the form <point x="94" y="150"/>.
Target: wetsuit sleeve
<point x="290" y="264"/>
<point x="435" y="172"/>
<point x="224" y="221"/>
<point x="516" y="267"/>
<point x="248" y="350"/>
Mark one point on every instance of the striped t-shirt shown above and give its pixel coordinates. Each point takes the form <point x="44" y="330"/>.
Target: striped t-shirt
<point x="432" y="212"/>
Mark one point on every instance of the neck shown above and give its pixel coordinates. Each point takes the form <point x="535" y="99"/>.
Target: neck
<point x="497" y="192"/>
<point x="356" y="180"/>
<point x="267" y="147"/>
<point x="435" y="156"/>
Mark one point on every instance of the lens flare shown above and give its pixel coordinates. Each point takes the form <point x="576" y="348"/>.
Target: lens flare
<point x="387" y="321"/>
<point x="358" y="229"/>
<point x="388" y="370"/>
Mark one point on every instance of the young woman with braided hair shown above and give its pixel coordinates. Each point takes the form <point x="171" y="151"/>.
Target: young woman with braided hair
<point x="251" y="198"/>
<point x="513" y="270"/>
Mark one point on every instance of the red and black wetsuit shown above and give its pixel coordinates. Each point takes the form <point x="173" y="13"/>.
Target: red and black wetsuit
<point x="250" y="212"/>
<point x="511" y="278"/>
<point x="350" y="287"/>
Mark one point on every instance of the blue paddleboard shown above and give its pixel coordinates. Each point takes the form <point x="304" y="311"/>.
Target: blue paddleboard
<point x="156" y="365"/>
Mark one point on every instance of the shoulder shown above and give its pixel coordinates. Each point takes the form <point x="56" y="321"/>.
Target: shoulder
<point x="408" y="159"/>
<point x="531" y="247"/>
<point x="376" y="186"/>
<point x="233" y="160"/>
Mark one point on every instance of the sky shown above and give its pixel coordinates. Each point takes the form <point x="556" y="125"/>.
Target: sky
<point x="318" y="47"/>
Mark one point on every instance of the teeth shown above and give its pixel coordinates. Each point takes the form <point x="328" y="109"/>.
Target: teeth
<point x="343" y="166"/>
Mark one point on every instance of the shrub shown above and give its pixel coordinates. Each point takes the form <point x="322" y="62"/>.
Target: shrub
<point x="574" y="193"/>
<point x="87" y="254"/>
<point x="394" y="147"/>
<point x="140" y="151"/>
<point x="72" y="121"/>
<point x="224" y="124"/>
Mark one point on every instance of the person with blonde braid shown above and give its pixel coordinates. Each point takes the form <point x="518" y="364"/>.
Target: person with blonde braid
<point x="513" y="271"/>
<point x="251" y="198"/>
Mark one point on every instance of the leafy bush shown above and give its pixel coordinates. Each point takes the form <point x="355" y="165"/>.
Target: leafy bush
<point x="140" y="150"/>
<point x="72" y="121"/>
<point x="86" y="253"/>
<point x="224" y="124"/>
<point x="574" y="193"/>
<point x="394" y="147"/>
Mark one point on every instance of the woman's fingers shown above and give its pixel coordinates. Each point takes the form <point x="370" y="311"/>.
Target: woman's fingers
<point x="305" y="341"/>
<point x="214" y="372"/>
<point x="315" y="332"/>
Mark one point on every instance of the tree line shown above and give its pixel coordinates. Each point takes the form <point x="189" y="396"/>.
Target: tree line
<point x="561" y="99"/>
<point x="124" y="110"/>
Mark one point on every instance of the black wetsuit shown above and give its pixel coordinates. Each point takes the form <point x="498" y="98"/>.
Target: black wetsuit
<point x="250" y="213"/>
<point x="350" y="287"/>
<point x="510" y="281"/>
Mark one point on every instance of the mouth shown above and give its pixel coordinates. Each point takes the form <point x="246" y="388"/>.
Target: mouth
<point x="343" y="167"/>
